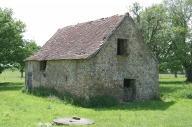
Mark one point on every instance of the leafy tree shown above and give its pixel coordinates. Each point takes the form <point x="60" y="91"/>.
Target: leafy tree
<point x="28" y="49"/>
<point x="152" y="24"/>
<point x="136" y="10"/>
<point x="153" y="27"/>
<point x="10" y="38"/>
<point x="172" y="64"/>
<point x="167" y="30"/>
<point x="180" y="16"/>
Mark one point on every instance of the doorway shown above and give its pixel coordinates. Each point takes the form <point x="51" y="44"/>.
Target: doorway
<point x="129" y="90"/>
<point x="29" y="80"/>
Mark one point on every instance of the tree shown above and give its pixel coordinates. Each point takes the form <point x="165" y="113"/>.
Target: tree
<point x="28" y="49"/>
<point x="152" y="24"/>
<point x="10" y="38"/>
<point x="172" y="64"/>
<point x="168" y="31"/>
<point x="180" y="14"/>
<point x="136" y="10"/>
<point x="153" y="27"/>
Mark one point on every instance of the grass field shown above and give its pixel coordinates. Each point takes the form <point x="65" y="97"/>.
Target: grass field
<point x="11" y="76"/>
<point x="18" y="109"/>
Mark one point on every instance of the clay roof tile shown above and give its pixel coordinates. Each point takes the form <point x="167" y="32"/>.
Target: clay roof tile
<point x="78" y="41"/>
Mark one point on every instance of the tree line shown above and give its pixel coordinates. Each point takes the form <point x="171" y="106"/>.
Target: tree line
<point x="13" y="47"/>
<point x="167" y="29"/>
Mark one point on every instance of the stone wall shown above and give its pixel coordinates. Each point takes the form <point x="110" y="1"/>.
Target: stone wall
<point x="105" y="72"/>
<point x="64" y="75"/>
<point x="110" y="70"/>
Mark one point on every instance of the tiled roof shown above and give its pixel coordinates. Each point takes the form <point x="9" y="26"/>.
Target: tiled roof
<point x="79" y="41"/>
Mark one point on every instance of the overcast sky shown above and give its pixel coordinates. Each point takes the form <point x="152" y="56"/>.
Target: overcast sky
<point x="44" y="17"/>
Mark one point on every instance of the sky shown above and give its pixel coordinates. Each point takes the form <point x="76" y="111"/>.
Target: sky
<point x="44" y="17"/>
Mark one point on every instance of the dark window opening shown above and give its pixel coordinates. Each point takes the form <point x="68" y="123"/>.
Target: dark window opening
<point x="121" y="46"/>
<point x="43" y="65"/>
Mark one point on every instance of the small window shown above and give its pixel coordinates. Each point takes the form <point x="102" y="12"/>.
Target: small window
<point x="121" y="46"/>
<point x="43" y="65"/>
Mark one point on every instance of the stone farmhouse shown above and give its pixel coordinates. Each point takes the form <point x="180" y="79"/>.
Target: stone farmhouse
<point x="101" y="57"/>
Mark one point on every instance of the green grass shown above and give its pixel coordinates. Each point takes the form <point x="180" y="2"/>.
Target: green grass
<point x="24" y="110"/>
<point x="11" y="76"/>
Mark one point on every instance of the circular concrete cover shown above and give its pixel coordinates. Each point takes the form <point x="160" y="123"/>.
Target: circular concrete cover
<point x="72" y="120"/>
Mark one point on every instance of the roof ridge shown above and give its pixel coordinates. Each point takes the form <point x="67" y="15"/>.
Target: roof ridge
<point x="79" y="41"/>
<point x="106" y="38"/>
<point x="92" y="21"/>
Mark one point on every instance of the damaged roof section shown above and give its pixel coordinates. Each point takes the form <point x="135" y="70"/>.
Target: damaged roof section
<point x="78" y="41"/>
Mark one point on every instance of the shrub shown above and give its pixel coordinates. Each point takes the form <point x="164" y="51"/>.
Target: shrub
<point x="44" y="92"/>
<point x="94" y="102"/>
<point x="188" y="95"/>
<point x="157" y="98"/>
<point x="75" y="100"/>
<point x="103" y="101"/>
<point x="25" y="90"/>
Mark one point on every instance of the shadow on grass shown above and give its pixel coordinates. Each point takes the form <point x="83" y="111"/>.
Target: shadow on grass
<point x="173" y="82"/>
<point x="172" y="87"/>
<point x="167" y="89"/>
<point x="100" y="103"/>
<point x="137" y="106"/>
<point x="11" y="86"/>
